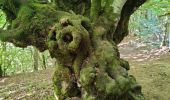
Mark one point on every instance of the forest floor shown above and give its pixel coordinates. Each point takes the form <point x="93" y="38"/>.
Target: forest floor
<point x="150" y="66"/>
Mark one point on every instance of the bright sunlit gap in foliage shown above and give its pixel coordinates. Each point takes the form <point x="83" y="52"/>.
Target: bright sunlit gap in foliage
<point x="151" y="22"/>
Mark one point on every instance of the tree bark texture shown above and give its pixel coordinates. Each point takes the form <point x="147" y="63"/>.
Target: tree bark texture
<point x="83" y="36"/>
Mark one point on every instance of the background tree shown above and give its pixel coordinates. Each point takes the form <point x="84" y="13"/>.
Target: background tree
<point x="83" y="38"/>
<point x="19" y="60"/>
<point x="150" y="22"/>
<point x="35" y="58"/>
<point x="44" y="65"/>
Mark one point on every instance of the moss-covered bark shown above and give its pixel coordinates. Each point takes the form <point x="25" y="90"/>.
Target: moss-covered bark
<point x="83" y="36"/>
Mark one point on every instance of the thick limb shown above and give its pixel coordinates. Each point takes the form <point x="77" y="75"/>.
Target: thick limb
<point x="6" y="35"/>
<point x="122" y="28"/>
<point x="65" y="83"/>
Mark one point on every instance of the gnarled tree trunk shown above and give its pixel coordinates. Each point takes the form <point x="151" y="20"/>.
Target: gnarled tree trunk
<point x="83" y="36"/>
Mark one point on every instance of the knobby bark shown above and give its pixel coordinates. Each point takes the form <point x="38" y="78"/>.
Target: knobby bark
<point x="83" y="36"/>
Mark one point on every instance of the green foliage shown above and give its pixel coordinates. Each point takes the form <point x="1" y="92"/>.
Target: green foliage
<point x="2" y="19"/>
<point x="159" y="7"/>
<point x="150" y="20"/>
<point x="13" y="59"/>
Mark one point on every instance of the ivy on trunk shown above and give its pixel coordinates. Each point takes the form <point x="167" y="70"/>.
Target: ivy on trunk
<point x="83" y="36"/>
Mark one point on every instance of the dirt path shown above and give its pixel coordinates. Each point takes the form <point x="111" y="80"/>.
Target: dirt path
<point x="154" y="76"/>
<point x="150" y="67"/>
<point x="30" y="86"/>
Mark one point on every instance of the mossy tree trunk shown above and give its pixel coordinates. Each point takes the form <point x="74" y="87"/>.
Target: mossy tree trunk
<point x="83" y="36"/>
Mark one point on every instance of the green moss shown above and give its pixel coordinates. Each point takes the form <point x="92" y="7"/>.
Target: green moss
<point x="89" y="64"/>
<point x="87" y="76"/>
<point x="81" y="7"/>
<point x="95" y="9"/>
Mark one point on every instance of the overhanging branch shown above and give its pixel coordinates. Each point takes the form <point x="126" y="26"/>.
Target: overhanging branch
<point x="122" y="28"/>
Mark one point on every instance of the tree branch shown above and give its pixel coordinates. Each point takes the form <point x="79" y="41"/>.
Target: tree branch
<point x="8" y="35"/>
<point x="122" y="28"/>
<point x="166" y="14"/>
<point x="95" y="9"/>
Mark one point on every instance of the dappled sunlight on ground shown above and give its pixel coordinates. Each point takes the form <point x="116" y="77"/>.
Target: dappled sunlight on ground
<point x="29" y="86"/>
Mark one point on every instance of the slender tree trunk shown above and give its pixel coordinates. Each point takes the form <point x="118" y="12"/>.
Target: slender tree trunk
<point x="164" y="37"/>
<point x="35" y="59"/>
<point x="44" y="62"/>
<point x="1" y="62"/>
<point x="169" y="34"/>
<point x="1" y="71"/>
<point x="4" y="59"/>
<point x="168" y="31"/>
<point x="165" y="34"/>
<point x="164" y="40"/>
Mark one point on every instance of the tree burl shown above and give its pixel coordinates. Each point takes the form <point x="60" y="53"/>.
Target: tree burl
<point x="83" y="36"/>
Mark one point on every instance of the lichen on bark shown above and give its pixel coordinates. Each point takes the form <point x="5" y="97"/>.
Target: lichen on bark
<point x="83" y="36"/>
